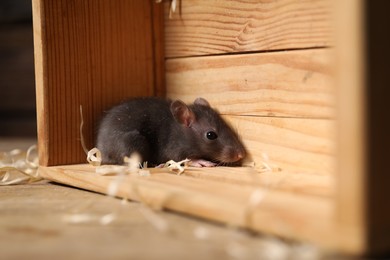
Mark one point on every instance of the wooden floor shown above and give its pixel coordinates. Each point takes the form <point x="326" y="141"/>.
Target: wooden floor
<point x="46" y="221"/>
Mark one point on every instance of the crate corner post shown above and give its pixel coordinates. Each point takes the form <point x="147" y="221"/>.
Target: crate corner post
<point x="92" y="54"/>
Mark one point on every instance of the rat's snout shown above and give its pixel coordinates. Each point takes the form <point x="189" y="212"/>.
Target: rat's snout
<point x="231" y="154"/>
<point x="240" y="155"/>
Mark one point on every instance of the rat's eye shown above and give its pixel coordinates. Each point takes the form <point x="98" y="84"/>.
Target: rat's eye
<point x="211" y="135"/>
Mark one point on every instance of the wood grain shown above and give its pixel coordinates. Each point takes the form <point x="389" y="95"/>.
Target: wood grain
<point x="159" y="49"/>
<point x="91" y="54"/>
<point x="288" y="84"/>
<point x="60" y="222"/>
<point x="249" y="177"/>
<point x="292" y="144"/>
<point x="203" y="27"/>
<point x="295" y="183"/>
<point x="277" y="213"/>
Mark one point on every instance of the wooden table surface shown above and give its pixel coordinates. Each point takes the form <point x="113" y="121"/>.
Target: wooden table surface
<point x="46" y="221"/>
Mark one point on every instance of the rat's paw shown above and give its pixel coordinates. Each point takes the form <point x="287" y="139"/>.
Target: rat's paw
<point x="201" y="163"/>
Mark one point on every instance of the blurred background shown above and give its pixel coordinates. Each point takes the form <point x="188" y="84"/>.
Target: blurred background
<point x="17" y="85"/>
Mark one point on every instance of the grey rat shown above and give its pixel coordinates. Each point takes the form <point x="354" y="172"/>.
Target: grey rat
<point x="160" y="130"/>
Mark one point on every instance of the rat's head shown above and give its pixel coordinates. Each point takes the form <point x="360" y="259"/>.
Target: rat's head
<point x="215" y="139"/>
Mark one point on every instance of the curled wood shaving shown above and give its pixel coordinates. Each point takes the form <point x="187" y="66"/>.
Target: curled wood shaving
<point x="177" y="167"/>
<point x="32" y="157"/>
<point x="82" y="140"/>
<point x="19" y="167"/>
<point x="94" y="157"/>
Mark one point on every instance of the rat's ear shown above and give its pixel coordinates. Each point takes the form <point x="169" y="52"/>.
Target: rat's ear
<point x="182" y="113"/>
<point x="202" y="102"/>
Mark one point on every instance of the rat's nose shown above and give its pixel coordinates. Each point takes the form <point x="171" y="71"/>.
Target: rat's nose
<point x="239" y="155"/>
<point x="232" y="154"/>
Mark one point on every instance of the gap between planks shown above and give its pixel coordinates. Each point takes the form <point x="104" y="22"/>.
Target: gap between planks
<point x="330" y="47"/>
<point x="298" y="206"/>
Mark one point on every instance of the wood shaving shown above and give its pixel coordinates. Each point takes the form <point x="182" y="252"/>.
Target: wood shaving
<point x="265" y="165"/>
<point x="133" y="166"/>
<point x="82" y="140"/>
<point x="178" y="167"/>
<point x="32" y="158"/>
<point x="19" y="167"/>
<point x="107" y="219"/>
<point x="144" y="173"/>
<point x="94" y="157"/>
<point x="78" y="218"/>
<point x="172" y="8"/>
<point x="84" y="218"/>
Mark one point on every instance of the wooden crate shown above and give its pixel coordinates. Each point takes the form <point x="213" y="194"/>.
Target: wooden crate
<point x="301" y="81"/>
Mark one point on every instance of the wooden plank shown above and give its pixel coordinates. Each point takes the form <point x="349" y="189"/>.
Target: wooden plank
<point x="285" y="181"/>
<point x="159" y="49"/>
<point x="44" y="217"/>
<point x="292" y="84"/>
<point x="309" y="184"/>
<point x="363" y="52"/>
<point x="351" y="176"/>
<point x="276" y="212"/>
<point x="292" y="144"/>
<point x="203" y="27"/>
<point x="89" y="53"/>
